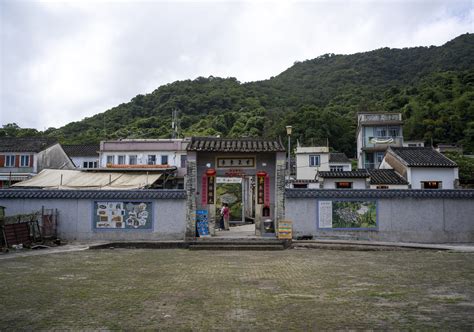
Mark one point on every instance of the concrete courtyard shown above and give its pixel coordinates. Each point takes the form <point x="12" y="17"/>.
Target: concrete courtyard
<point x="240" y="290"/>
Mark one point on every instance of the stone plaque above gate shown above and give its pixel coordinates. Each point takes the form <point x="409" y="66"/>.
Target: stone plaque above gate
<point x="232" y="162"/>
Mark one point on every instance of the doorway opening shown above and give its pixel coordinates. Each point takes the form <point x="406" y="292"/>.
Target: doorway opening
<point x="239" y="195"/>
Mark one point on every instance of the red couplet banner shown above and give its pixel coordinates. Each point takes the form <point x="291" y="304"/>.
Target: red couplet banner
<point x="267" y="191"/>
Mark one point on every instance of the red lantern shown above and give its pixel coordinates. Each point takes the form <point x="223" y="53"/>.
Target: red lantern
<point x="261" y="173"/>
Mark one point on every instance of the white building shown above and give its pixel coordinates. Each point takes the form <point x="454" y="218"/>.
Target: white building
<point x="84" y="156"/>
<point x="423" y="168"/>
<point x="414" y="144"/>
<point x="146" y="155"/>
<point x="21" y="158"/>
<point x="343" y="180"/>
<point x="375" y="133"/>
<point x="311" y="160"/>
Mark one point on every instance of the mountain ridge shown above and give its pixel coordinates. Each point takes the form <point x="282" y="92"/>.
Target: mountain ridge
<point x="432" y="86"/>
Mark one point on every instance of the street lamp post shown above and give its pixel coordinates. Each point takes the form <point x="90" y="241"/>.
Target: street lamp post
<point x="288" y="132"/>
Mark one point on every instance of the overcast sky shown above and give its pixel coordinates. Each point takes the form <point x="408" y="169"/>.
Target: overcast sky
<point x="62" y="61"/>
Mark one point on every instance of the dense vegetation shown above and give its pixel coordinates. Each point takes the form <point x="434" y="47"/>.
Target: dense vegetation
<point x="431" y="86"/>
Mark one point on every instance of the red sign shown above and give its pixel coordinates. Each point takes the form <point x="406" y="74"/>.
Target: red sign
<point x="267" y="191"/>
<point x="211" y="181"/>
<point x="260" y="189"/>
<point x="235" y="172"/>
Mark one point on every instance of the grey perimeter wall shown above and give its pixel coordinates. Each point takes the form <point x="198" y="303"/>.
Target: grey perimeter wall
<point x="76" y="210"/>
<point x="437" y="216"/>
<point x="445" y="216"/>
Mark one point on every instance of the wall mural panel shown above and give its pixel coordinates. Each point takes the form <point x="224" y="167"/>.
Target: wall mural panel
<point x="123" y="215"/>
<point x="347" y="214"/>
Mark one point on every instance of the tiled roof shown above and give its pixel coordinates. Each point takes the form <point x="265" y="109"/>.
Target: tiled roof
<point x="386" y="176"/>
<point x="338" y="158"/>
<point x="214" y="144"/>
<point x="91" y="194"/>
<point x="421" y="157"/>
<point x="25" y="144"/>
<point x="375" y="193"/>
<point x="83" y="150"/>
<point x="344" y="174"/>
<point x="303" y="181"/>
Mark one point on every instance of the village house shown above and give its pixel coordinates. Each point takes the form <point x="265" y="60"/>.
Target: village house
<point x="376" y="131"/>
<point x="21" y="158"/>
<point x="84" y="156"/>
<point x="414" y="143"/>
<point x="311" y="160"/>
<point x="423" y="168"/>
<point x="358" y="179"/>
<point x="167" y="156"/>
<point x="362" y="179"/>
<point x="386" y="179"/>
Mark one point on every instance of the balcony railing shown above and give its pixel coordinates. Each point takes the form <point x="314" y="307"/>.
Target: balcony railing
<point x="383" y="142"/>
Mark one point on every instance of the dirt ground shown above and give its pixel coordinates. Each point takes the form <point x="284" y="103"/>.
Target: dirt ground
<point x="297" y="290"/>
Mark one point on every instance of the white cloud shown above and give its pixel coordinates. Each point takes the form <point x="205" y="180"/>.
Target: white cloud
<point x="62" y="61"/>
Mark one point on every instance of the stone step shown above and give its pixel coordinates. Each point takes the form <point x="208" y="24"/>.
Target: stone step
<point x="228" y="246"/>
<point x="224" y="242"/>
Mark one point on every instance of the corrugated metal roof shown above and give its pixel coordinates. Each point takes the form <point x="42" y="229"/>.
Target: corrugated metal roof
<point x="72" y="179"/>
<point x="214" y="144"/>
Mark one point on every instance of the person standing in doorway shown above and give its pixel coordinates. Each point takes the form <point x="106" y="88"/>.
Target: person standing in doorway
<point x="226" y="214"/>
<point x="221" y="217"/>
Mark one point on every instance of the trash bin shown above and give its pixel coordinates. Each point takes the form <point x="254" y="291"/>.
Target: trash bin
<point x="268" y="226"/>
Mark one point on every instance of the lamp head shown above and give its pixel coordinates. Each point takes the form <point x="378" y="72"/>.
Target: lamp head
<point x="288" y="130"/>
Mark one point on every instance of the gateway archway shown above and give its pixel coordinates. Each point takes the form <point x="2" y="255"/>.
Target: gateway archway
<point x="248" y="173"/>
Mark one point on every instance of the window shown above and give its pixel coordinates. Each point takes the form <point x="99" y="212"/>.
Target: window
<point x="379" y="156"/>
<point x="381" y="131"/>
<point x="300" y="185"/>
<point x="132" y="160"/>
<point x="336" y="168"/>
<point x="24" y="161"/>
<point x="394" y="131"/>
<point x="412" y="145"/>
<point x="121" y="160"/>
<point x="314" y="160"/>
<point x="431" y="184"/>
<point x="151" y="159"/>
<point x="382" y="187"/>
<point x="344" y="185"/>
<point x="110" y="159"/>
<point x="183" y="161"/>
<point x="89" y="164"/>
<point x="9" y="161"/>
<point x="164" y="160"/>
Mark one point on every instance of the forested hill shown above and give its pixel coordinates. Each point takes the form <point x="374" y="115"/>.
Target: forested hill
<point x="432" y="86"/>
